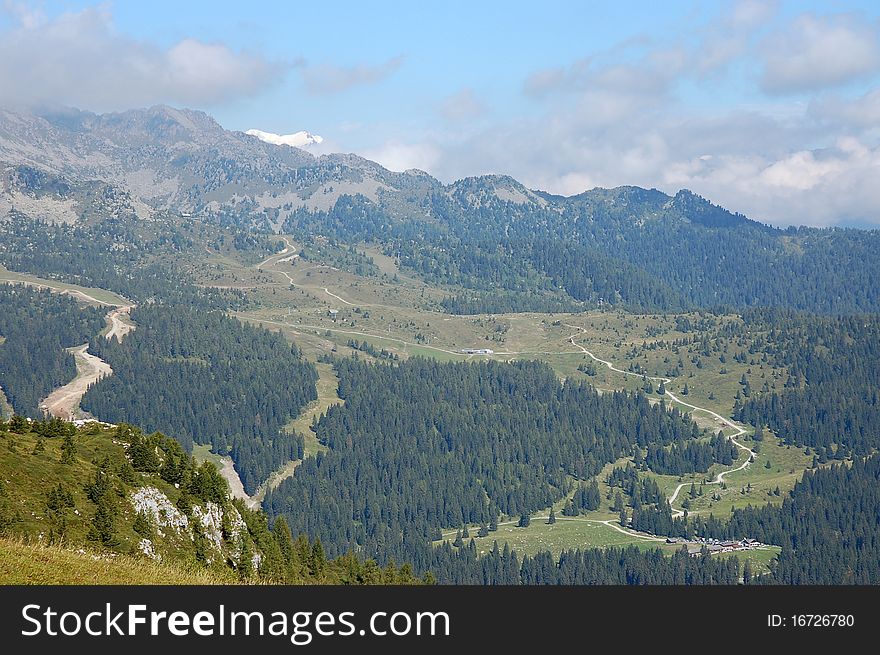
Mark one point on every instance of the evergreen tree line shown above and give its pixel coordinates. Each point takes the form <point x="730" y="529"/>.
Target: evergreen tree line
<point x="37" y="326"/>
<point x="626" y="246"/>
<point x="827" y="526"/>
<point x="594" y="566"/>
<point x="832" y="397"/>
<point x="370" y="349"/>
<point x="204" y="377"/>
<point x="115" y="254"/>
<point x="691" y="457"/>
<point x="425" y="445"/>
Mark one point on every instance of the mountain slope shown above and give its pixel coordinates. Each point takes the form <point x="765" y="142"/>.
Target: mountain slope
<point x="496" y="244"/>
<point x="110" y="505"/>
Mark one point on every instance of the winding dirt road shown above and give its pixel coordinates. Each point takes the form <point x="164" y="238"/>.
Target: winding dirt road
<point x="119" y="326"/>
<point x="64" y="401"/>
<point x="740" y="430"/>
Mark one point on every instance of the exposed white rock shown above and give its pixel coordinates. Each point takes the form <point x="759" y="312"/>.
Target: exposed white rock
<point x="211" y="520"/>
<point x="160" y="510"/>
<point x="146" y="548"/>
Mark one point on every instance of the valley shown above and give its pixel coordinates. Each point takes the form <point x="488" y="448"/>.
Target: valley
<point x="330" y="312"/>
<point x="604" y="379"/>
<point x="324" y="310"/>
<point x="63" y="402"/>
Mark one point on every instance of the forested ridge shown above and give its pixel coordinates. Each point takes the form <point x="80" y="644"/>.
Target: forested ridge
<point x="831" y="399"/>
<point x="121" y="255"/>
<point x="203" y="376"/>
<point x="37" y="326"/>
<point x="424" y="445"/>
<point x="627" y="246"/>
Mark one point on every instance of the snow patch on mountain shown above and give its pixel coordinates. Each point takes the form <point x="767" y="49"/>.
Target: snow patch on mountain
<point x="300" y="139"/>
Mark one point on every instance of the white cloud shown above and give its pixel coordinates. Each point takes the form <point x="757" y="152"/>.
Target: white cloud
<point x="79" y="59"/>
<point x="649" y="75"/>
<point x="863" y="112"/>
<point x="322" y="79"/>
<point x="399" y="156"/>
<point x="748" y="161"/>
<point x="820" y="52"/>
<point x="462" y="106"/>
<point x="28" y="15"/>
<point x="732" y="35"/>
<point x="616" y="118"/>
<point x="812" y="187"/>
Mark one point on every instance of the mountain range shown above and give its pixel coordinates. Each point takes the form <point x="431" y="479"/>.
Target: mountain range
<point x="509" y="247"/>
<point x="65" y="164"/>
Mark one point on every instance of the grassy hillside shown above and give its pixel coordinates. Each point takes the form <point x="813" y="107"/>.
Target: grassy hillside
<point x="109" y="505"/>
<point x="36" y="563"/>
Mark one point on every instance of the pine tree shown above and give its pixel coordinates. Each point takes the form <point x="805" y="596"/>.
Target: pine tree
<point x="142" y="525"/>
<point x="318" y="559"/>
<point x="103" y="528"/>
<point x="245" y="559"/>
<point x="552" y="519"/>
<point x="68" y="450"/>
<point x="18" y="424"/>
<point x="524" y="521"/>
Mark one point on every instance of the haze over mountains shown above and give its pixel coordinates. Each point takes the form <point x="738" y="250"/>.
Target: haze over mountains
<point x="508" y="247"/>
<point x="66" y="163"/>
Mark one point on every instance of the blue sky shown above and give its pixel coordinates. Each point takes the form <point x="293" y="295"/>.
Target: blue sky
<point x="770" y="108"/>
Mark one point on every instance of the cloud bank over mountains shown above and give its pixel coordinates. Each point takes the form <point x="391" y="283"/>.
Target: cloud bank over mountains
<point x="803" y="149"/>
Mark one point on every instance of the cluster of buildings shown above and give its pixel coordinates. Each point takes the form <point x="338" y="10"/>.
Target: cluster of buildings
<point x="695" y="546"/>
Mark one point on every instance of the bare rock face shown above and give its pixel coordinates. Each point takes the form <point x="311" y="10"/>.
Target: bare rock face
<point x="69" y="165"/>
<point x="221" y="528"/>
<point x="65" y="165"/>
<point x="160" y="511"/>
